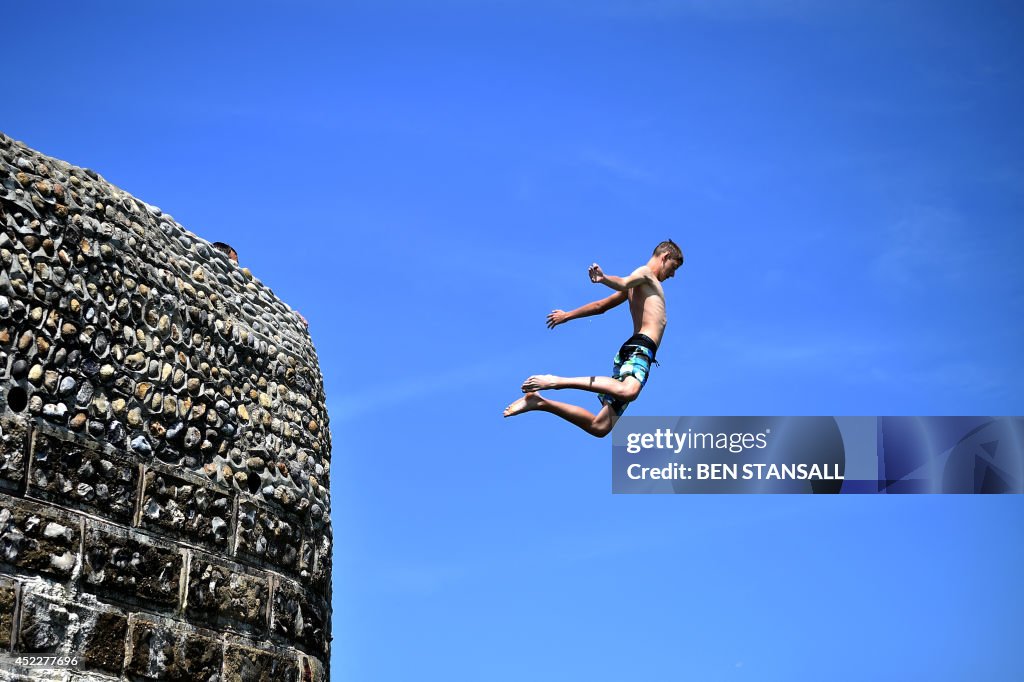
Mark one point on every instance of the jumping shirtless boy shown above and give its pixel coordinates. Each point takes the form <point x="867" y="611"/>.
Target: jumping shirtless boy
<point x="646" y="299"/>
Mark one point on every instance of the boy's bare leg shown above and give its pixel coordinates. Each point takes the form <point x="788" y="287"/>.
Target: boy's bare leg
<point x="599" y="424"/>
<point x="627" y="389"/>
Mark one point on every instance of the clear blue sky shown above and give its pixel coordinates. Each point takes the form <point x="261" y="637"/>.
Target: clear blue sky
<point x="425" y="181"/>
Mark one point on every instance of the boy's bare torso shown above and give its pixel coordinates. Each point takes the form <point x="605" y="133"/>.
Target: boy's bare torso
<point x="647" y="307"/>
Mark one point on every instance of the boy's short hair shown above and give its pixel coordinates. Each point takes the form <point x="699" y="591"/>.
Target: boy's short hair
<point x="670" y="247"/>
<point x="226" y="249"/>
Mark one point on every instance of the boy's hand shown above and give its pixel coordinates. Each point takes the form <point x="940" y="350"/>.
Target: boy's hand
<point x="596" y="275"/>
<point x="557" y="317"/>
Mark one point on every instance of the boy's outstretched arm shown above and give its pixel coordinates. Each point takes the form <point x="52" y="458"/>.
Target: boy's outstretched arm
<point x="637" y="277"/>
<point x="557" y="317"/>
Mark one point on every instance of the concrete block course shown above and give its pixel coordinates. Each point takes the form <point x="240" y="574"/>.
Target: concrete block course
<point x="8" y="604"/>
<point x="13" y="444"/>
<point x="80" y="474"/>
<point x="195" y="511"/>
<point x="245" y="663"/>
<point x="130" y="567"/>
<point x="37" y="539"/>
<point x="299" y="616"/>
<point x="163" y="651"/>
<point x="264" y="536"/>
<point x="222" y="593"/>
<point x="55" y="627"/>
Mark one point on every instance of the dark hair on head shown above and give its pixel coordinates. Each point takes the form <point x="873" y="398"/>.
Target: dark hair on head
<point x="226" y="250"/>
<point x="670" y="247"/>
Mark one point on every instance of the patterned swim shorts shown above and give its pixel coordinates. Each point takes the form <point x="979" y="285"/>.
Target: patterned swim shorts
<point x="633" y="360"/>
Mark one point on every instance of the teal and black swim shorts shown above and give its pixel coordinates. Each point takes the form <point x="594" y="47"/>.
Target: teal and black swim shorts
<point x="633" y="360"/>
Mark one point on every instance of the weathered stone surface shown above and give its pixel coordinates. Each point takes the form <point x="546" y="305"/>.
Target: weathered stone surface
<point x="83" y="475"/>
<point x="105" y="649"/>
<point x="320" y="578"/>
<point x="131" y="346"/>
<point x="252" y="665"/>
<point x="307" y="558"/>
<point x="311" y="670"/>
<point x="218" y="592"/>
<point x="35" y="538"/>
<point x="124" y="565"/>
<point x="264" y="535"/>
<point x="128" y="294"/>
<point x="25" y="674"/>
<point x="46" y="627"/>
<point x="193" y="511"/>
<point x="13" y="443"/>
<point x="96" y="636"/>
<point x="160" y="651"/>
<point x="299" y="616"/>
<point x="8" y="602"/>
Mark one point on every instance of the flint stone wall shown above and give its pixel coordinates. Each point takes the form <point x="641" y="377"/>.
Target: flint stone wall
<point x="164" y="451"/>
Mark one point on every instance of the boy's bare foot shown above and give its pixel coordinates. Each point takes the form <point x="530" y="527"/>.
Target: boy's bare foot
<point x="530" y="401"/>
<point x="540" y="382"/>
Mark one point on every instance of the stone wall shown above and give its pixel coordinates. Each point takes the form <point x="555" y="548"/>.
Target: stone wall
<point x="164" y="451"/>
